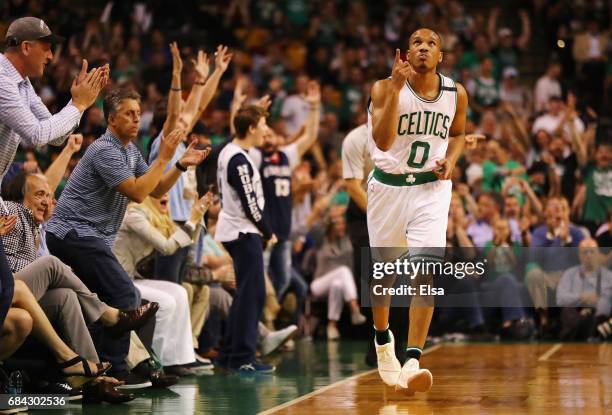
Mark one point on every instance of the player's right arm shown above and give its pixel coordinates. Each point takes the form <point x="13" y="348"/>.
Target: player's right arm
<point x="385" y="103"/>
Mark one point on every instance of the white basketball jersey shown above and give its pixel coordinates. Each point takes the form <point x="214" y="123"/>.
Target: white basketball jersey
<point x="422" y="131"/>
<point x="232" y="219"/>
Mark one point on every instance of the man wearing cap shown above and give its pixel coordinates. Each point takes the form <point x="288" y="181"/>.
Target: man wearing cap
<point x="512" y="92"/>
<point x="23" y="116"/>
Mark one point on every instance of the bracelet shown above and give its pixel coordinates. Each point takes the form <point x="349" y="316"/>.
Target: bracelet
<point x="176" y="89"/>
<point x="179" y="166"/>
<point x="200" y="83"/>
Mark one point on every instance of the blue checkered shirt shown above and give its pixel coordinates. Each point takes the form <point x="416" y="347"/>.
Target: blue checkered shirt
<point x="24" y="118"/>
<point x="90" y="203"/>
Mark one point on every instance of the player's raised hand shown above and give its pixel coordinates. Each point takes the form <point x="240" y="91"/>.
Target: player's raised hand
<point x="444" y="169"/>
<point x="400" y="71"/>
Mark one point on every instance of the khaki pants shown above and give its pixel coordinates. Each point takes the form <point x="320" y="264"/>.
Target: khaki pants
<point x="198" y="297"/>
<point x="66" y="301"/>
<point x="538" y="282"/>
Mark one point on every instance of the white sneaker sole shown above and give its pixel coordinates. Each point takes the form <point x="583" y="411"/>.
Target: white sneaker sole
<point x="391" y="375"/>
<point x="421" y="381"/>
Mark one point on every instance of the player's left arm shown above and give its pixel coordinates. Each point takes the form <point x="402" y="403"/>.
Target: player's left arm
<point x="456" y="137"/>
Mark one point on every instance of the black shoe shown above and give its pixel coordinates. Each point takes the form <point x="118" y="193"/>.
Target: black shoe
<point x="162" y="380"/>
<point x="41" y="387"/>
<point x="519" y="330"/>
<point x="132" y="380"/>
<point x="102" y="391"/>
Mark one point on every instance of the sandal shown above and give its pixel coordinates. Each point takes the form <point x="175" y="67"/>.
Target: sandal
<point x="81" y="379"/>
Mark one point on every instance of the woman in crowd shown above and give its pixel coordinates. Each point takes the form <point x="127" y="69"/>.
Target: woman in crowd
<point x="147" y="228"/>
<point x="333" y="276"/>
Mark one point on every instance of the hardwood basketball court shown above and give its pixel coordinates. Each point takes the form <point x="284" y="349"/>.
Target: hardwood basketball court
<point x="480" y="379"/>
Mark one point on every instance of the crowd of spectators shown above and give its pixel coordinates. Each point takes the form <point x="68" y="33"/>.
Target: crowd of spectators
<point x="540" y="90"/>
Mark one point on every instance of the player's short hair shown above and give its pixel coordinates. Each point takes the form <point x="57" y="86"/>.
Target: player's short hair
<point x="247" y="117"/>
<point x="426" y="28"/>
<point x="113" y="99"/>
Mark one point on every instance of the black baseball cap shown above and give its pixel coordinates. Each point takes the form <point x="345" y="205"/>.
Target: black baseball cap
<point x="30" y="28"/>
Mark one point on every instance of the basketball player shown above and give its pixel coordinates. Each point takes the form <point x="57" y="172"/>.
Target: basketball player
<point x="416" y="126"/>
<point x="243" y="230"/>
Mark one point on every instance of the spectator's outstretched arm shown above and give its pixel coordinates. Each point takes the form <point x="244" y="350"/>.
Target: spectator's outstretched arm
<point x="174" y="97"/>
<point x="222" y="61"/>
<point x="56" y="170"/>
<point x="492" y="26"/>
<point x="237" y="101"/>
<point x="138" y="188"/>
<point x="190" y="110"/>
<point x="309" y="138"/>
<point x="523" y="40"/>
<point x="578" y="202"/>
<point x="191" y="157"/>
<point x="531" y="196"/>
<point x="35" y="125"/>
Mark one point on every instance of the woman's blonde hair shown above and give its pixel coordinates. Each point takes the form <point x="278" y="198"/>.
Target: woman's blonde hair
<point x="160" y="221"/>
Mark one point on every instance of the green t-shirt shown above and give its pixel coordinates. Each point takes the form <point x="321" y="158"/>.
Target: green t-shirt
<point x="494" y="182"/>
<point x="503" y="259"/>
<point x="598" y="194"/>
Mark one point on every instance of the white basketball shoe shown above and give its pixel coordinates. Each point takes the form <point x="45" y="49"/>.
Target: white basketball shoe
<point x="389" y="367"/>
<point x="413" y="378"/>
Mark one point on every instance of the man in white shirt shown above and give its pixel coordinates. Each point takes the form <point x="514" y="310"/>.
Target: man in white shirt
<point x="547" y="86"/>
<point x="551" y="120"/>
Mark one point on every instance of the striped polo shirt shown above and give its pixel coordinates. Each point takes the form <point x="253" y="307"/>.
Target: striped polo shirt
<point x="90" y="204"/>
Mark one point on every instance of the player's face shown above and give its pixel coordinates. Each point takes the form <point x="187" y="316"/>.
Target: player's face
<point x="424" y="52"/>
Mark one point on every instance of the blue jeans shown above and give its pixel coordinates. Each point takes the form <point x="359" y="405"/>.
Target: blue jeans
<point x="278" y="264"/>
<point x="96" y="265"/>
<point x="504" y="291"/>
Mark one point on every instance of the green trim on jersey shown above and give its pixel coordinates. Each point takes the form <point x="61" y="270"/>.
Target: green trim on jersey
<point x="439" y="93"/>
